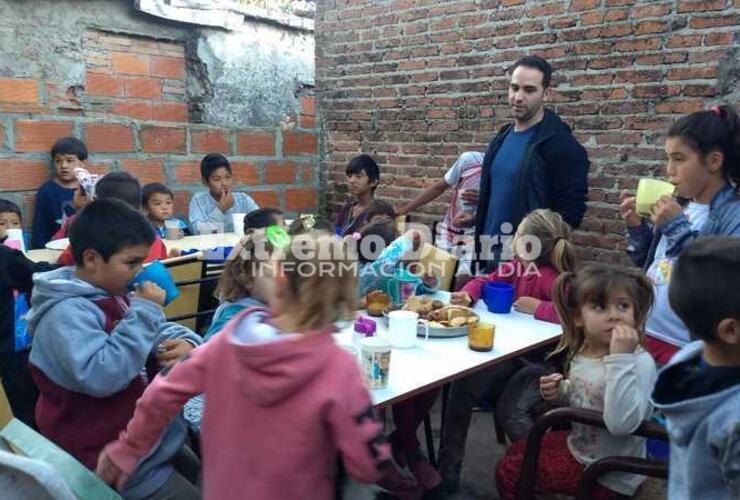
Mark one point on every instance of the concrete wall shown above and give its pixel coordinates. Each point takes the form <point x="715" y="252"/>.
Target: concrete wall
<point x="417" y="82"/>
<point x="152" y="96"/>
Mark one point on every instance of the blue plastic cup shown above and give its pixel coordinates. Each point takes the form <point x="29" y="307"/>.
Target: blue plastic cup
<point x="157" y="273"/>
<point x="498" y="296"/>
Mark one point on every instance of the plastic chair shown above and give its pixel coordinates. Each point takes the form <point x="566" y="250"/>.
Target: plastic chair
<point x="563" y="416"/>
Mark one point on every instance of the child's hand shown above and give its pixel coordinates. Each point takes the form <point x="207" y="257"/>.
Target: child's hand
<point x="150" y="291"/>
<point x="226" y="201"/>
<point x="460" y="299"/>
<point x="470" y="196"/>
<point x="109" y="472"/>
<point x="628" y="209"/>
<point x="665" y="209"/>
<point x="624" y="340"/>
<point x="464" y="219"/>
<point x="550" y="387"/>
<point x="174" y="252"/>
<point x="527" y="305"/>
<point x="169" y="351"/>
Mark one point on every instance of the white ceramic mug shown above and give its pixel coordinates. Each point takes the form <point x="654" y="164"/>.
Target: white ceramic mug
<point x="403" y="327"/>
<point x="238" y="220"/>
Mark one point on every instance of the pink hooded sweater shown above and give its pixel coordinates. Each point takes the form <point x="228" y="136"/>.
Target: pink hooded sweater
<point x="278" y="408"/>
<point x="525" y="285"/>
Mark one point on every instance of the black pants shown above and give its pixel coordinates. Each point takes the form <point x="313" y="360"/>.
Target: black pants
<point x="19" y="386"/>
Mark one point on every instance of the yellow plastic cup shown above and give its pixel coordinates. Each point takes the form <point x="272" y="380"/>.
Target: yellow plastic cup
<point x="649" y="191"/>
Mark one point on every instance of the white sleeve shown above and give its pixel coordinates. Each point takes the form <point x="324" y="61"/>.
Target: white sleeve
<point x="630" y="379"/>
<point x="452" y="176"/>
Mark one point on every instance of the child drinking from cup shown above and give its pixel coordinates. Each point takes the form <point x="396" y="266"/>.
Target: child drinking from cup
<point x="532" y="285"/>
<point x="703" y="151"/>
<point x="282" y="399"/>
<point x="603" y="309"/>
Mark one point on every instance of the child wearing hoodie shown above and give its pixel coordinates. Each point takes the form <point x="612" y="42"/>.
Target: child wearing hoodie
<point x="95" y="346"/>
<point x="282" y="399"/>
<point x="699" y="390"/>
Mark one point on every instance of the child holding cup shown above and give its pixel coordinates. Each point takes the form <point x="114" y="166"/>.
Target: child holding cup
<point x="703" y="151"/>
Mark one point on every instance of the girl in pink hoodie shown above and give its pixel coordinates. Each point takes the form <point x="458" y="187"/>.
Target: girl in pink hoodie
<point x="543" y="251"/>
<point x="281" y="398"/>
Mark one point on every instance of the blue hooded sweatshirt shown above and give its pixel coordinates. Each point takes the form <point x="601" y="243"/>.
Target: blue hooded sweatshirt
<point x="85" y="363"/>
<point x="702" y="407"/>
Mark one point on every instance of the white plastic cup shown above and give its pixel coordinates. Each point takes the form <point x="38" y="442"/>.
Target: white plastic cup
<point x="376" y="361"/>
<point x="238" y="220"/>
<point x="173" y="230"/>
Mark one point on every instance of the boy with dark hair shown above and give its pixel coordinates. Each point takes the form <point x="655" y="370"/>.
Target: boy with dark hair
<point x="92" y="342"/>
<point x="15" y="340"/>
<point x="124" y="187"/>
<point x="158" y="202"/>
<point x="699" y="390"/>
<point x="262" y="218"/>
<point x="363" y="176"/>
<point x="211" y="212"/>
<point x="54" y="197"/>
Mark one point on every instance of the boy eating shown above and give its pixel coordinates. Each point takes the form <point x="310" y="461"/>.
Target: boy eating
<point x="211" y="212"/>
<point x="699" y="390"/>
<point x="54" y="197"/>
<point x="92" y="343"/>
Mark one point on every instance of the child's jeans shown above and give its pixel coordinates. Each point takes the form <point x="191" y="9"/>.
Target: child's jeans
<point x="557" y="472"/>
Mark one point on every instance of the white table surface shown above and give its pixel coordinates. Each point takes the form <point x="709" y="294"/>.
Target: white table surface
<point x="434" y="362"/>
<point x="199" y="242"/>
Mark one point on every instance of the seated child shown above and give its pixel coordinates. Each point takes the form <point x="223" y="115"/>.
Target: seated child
<point x="532" y="283"/>
<point x="92" y="343"/>
<point x="603" y="309"/>
<point x="282" y="399"/>
<point x="54" y="197"/>
<point x="699" y="390"/>
<point x="363" y="176"/>
<point x="16" y="273"/>
<point x="84" y="194"/>
<point x="211" y="212"/>
<point x="10" y="216"/>
<point x="158" y="202"/>
<point x="124" y="187"/>
<point x="242" y="283"/>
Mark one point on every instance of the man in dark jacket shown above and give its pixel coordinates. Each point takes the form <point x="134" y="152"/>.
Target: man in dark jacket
<point x="534" y="162"/>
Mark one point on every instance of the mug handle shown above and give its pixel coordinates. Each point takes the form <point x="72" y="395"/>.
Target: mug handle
<point x="426" y="327"/>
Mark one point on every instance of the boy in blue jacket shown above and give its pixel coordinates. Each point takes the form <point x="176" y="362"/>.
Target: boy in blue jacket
<point x="95" y="347"/>
<point x="699" y="390"/>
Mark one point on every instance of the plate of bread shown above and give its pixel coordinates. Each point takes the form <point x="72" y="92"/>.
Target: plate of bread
<point x="444" y="320"/>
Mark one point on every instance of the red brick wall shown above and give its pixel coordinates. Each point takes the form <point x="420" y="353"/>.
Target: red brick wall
<point x="416" y="82"/>
<point x="132" y="112"/>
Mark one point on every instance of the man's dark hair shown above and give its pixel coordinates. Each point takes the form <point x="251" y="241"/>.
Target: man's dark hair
<point x="704" y="285"/>
<point x="380" y="207"/>
<point x="154" y="188"/>
<point x="535" y="62"/>
<point x="7" y="206"/>
<point x="108" y="226"/>
<point x="364" y="163"/>
<point x="212" y="162"/>
<point x="261" y="218"/>
<point x="121" y="186"/>
<point x="69" y="146"/>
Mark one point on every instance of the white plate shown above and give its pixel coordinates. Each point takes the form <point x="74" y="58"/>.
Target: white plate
<point x="61" y="244"/>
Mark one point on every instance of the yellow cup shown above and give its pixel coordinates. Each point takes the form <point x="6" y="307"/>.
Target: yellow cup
<point x="480" y="336"/>
<point x="649" y="191"/>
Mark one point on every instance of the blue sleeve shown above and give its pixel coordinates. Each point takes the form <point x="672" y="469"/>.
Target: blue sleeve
<point x="638" y="242"/>
<point x="44" y="222"/>
<point x="679" y="232"/>
<point x="220" y="318"/>
<point x="384" y="265"/>
<point x="71" y="346"/>
<point x="175" y="331"/>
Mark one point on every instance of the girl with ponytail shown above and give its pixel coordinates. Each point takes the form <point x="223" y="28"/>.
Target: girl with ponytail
<point x="703" y="151"/>
<point x="543" y="251"/>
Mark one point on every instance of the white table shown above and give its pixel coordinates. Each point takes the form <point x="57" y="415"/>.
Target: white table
<point x="199" y="242"/>
<point x="435" y="362"/>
